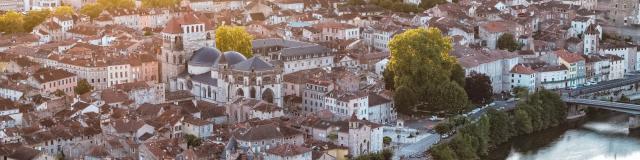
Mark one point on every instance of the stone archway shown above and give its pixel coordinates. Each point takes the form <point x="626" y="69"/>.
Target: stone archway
<point x="252" y="92"/>
<point x="267" y="95"/>
<point x="239" y="92"/>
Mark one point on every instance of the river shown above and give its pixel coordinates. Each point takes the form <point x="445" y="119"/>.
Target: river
<point x="600" y="136"/>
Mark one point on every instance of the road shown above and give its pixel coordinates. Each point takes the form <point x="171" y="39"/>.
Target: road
<point x="499" y="105"/>
<point x="416" y="150"/>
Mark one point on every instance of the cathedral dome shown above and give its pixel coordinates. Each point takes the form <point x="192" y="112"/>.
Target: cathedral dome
<point x="204" y="56"/>
<point x="231" y="58"/>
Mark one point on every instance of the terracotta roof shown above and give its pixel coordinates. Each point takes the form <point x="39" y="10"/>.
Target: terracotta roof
<point x="288" y="150"/>
<point x="48" y="75"/>
<point x="174" y="26"/>
<point x="569" y="57"/>
<point x="522" y="69"/>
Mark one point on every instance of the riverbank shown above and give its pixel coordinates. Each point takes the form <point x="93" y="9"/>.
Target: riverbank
<point x="599" y="135"/>
<point x="541" y="110"/>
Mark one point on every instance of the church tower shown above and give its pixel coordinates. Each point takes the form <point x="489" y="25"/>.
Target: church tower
<point x="181" y="37"/>
<point x="590" y="40"/>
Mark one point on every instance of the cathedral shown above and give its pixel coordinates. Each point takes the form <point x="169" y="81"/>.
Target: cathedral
<point x="188" y="63"/>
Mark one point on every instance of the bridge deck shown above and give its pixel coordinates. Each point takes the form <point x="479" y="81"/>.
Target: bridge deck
<point x="628" y="80"/>
<point x="615" y="106"/>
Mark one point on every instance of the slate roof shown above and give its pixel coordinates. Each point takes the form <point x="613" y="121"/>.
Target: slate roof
<point x="253" y="63"/>
<point x="205" y="78"/>
<point x="205" y="56"/>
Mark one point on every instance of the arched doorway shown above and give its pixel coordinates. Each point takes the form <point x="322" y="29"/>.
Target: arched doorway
<point x="267" y="95"/>
<point x="240" y="93"/>
<point x="252" y="92"/>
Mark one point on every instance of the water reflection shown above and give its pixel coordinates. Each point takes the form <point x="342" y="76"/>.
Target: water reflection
<point x="600" y="138"/>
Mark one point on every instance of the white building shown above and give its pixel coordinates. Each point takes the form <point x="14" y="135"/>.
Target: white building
<point x="523" y="76"/>
<point x="198" y="127"/>
<point x="617" y="67"/>
<point x="343" y="104"/>
<point x="293" y="55"/>
<point x="496" y="64"/>
<point x="381" y="66"/>
<point x="381" y="110"/>
<point x="627" y="51"/>
<point x="379" y="35"/>
<point x="551" y="77"/>
<point x="296" y="5"/>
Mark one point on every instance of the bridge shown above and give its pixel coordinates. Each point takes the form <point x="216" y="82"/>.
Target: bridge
<point x="606" y="85"/>
<point x="576" y="109"/>
<point x="633" y="109"/>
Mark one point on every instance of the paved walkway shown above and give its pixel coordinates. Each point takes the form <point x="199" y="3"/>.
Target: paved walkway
<point x="416" y="150"/>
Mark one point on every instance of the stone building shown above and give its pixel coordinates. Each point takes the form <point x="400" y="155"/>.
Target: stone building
<point x="219" y="77"/>
<point x="181" y="37"/>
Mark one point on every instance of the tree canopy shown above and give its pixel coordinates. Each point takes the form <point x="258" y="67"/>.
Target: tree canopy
<point x="507" y="42"/>
<point x="234" y="38"/>
<point x="34" y="18"/>
<point x="160" y="3"/>
<point x="423" y="73"/>
<point x="478" y="88"/>
<point x="12" y="22"/>
<point x="393" y="5"/>
<point x="92" y="10"/>
<point x="427" y="4"/>
<point x="82" y="87"/>
<point x="63" y="11"/>
<point x="541" y="110"/>
<point x="116" y="4"/>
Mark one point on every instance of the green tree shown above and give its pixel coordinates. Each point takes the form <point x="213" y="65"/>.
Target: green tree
<point x="507" y="42"/>
<point x="458" y="75"/>
<point x="422" y="71"/>
<point x="356" y="2"/>
<point x="624" y="99"/>
<point x="427" y="4"/>
<point x="34" y="18"/>
<point x="12" y="22"/>
<point x="463" y="148"/>
<point x="63" y="11"/>
<point x="500" y="126"/>
<point x="92" y="10"/>
<point x="160" y="3"/>
<point x="192" y="141"/>
<point x="387" y="77"/>
<point x="478" y="88"/>
<point x="523" y="121"/>
<point x="116" y="4"/>
<point x="444" y="128"/>
<point x="443" y="152"/>
<point x="480" y="130"/>
<point x="234" y="38"/>
<point x="59" y="93"/>
<point x="521" y="92"/>
<point x="386" y="140"/>
<point x="82" y="87"/>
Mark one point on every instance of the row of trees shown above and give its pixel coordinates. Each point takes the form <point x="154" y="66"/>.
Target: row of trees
<point x="541" y="110"/>
<point x="397" y="6"/>
<point x="14" y="22"/>
<point x="93" y="10"/>
<point x="423" y="75"/>
<point x="400" y="6"/>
